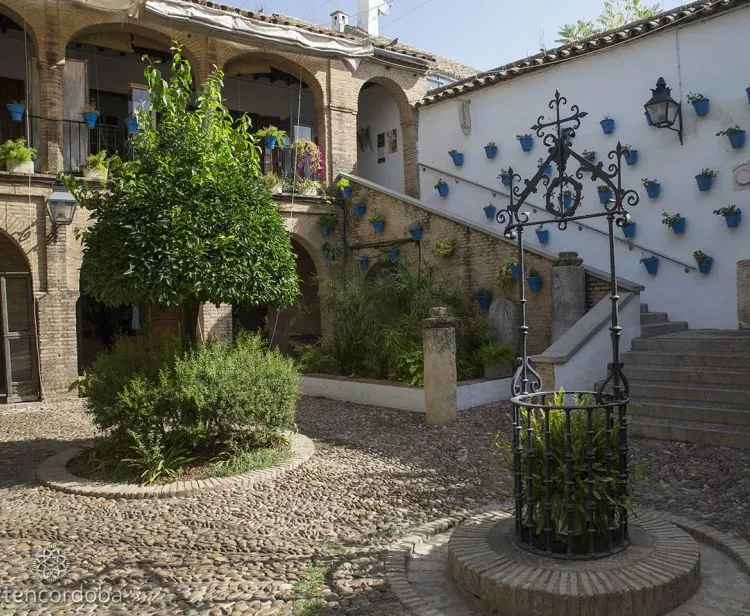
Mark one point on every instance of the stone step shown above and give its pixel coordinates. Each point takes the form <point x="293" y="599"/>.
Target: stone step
<point x="690" y="376"/>
<point x="682" y="343"/>
<point x="659" y="329"/>
<point x="693" y="392"/>
<point x="690" y="411"/>
<point x="738" y="362"/>
<point x="644" y="307"/>
<point x="649" y="318"/>
<point x="716" y="435"/>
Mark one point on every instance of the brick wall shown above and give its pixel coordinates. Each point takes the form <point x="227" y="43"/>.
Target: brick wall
<point x="596" y="290"/>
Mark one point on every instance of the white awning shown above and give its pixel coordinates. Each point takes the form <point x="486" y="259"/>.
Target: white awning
<point x="255" y="30"/>
<point x="131" y="7"/>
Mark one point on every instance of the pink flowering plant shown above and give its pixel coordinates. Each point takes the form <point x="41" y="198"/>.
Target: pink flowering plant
<point x="310" y="162"/>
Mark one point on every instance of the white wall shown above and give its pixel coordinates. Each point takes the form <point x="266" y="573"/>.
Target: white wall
<point x="379" y="112"/>
<point x="701" y="58"/>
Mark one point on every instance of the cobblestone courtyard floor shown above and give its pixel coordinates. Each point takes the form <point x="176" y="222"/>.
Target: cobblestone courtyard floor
<point x="375" y="474"/>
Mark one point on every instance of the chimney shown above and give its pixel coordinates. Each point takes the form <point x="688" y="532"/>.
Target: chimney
<point x="367" y="19"/>
<point x="339" y="21"/>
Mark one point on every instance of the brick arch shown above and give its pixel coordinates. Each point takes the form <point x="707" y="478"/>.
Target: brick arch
<point x="19" y="18"/>
<point x="12" y="256"/>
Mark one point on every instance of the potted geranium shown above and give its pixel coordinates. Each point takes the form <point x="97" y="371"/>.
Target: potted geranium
<point x="489" y="211"/>
<point x="653" y="187"/>
<point x="96" y="167"/>
<point x="735" y="135"/>
<point x="359" y="208"/>
<point x="651" y="264"/>
<point x="327" y="223"/>
<point x="605" y="193"/>
<point x="271" y="136"/>
<point x="344" y="187"/>
<point x="498" y="360"/>
<point x="704" y="261"/>
<point x="705" y="179"/>
<point x="442" y="187"/>
<point x="630" y="154"/>
<point x="676" y="222"/>
<point x="535" y="280"/>
<point x="490" y="150"/>
<point x="445" y="246"/>
<point x="526" y="141"/>
<point x="458" y="157"/>
<point x="732" y="215"/>
<point x="483" y="297"/>
<point x="505" y="177"/>
<point x="90" y="114"/>
<point x="16" y="109"/>
<point x="699" y="102"/>
<point x="17" y="156"/>
<point x="542" y="234"/>
<point x="377" y="220"/>
<point x="416" y="230"/>
<point x="273" y="182"/>
<point x="608" y="125"/>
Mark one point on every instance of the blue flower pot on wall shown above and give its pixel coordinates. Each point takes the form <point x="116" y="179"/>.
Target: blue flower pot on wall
<point x="346" y="192"/>
<point x="443" y="190"/>
<point x="705" y="268"/>
<point x="490" y="151"/>
<point x="515" y="271"/>
<point x="490" y="211"/>
<point x="651" y="264"/>
<point x="737" y="139"/>
<point x="701" y="106"/>
<point x="359" y="210"/>
<point x="653" y="190"/>
<point x="393" y="254"/>
<point x="90" y="117"/>
<point x="608" y="126"/>
<point x="16" y="111"/>
<point x="604" y="196"/>
<point x="527" y="143"/>
<point x="543" y="235"/>
<point x="458" y="158"/>
<point x="548" y="170"/>
<point x="325" y="230"/>
<point x="505" y="178"/>
<point x="270" y="142"/>
<point x="131" y="124"/>
<point x="733" y="219"/>
<point x="416" y="232"/>
<point x="629" y="230"/>
<point x="535" y="283"/>
<point x="378" y="225"/>
<point x="363" y="261"/>
<point x="679" y="228"/>
<point x="631" y="157"/>
<point x="484" y="299"/>
<point x="567" y="201"/>
<point x="704" y="182"/>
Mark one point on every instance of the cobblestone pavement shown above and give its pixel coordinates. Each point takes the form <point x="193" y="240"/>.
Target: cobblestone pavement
<point x="375" y="474"/>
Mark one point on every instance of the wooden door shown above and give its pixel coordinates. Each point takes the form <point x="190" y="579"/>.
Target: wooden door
<point x="18" y="337"/>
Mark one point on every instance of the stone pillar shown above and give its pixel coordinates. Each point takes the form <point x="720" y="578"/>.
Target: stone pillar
<point x="439" y="340"/>
<point x="568" y="293"/>
<point x="743" y="294"/>
<point x="504" y="315"/>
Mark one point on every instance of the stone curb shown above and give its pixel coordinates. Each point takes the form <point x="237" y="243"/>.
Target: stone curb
<point x="53" y="473"/>
<point x="397" y="558"/>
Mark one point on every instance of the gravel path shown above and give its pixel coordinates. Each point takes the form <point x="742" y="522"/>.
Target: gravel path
<point x="375" y="474"/>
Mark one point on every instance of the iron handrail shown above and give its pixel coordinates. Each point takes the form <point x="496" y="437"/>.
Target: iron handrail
<point x="687" y="266"/>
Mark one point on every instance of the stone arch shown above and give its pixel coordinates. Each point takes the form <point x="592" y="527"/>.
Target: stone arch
<point x="407" y="140"/>
<point x="19" y="19"/>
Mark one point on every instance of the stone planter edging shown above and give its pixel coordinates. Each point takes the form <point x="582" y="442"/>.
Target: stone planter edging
<point x="53" y="473"/>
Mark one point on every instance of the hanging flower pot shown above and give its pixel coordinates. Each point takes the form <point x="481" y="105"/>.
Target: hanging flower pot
<point x="704" y="261"/>
<point x="705" y="179"/>
<point x="535" y="281"/>
<point x="515" y="271"/>
<point x="651" y="264"/>
<point x="490" y="211"/>
<point x="490" y="150"/>
<point x="16" y="111"/>
<point x="363" y="261"/>
<point x="699" y="104"/>
<point x="631" y="157"/>
<point x="653" y="188"/>
<point x="327" y="223"/>
<point x="377" y="221"/>
<point x="344" y="187"/>
<point x="526" y="141"/>
<point x="442" y="188"/>
<point x="131" y="124"/>
<point x="270" y="142"/>
<point x="675" y="222"/>
<point x="737" y="139"/>
<point x="393" y="254"/>
<point x="629" y="230"/>
<point x="732" y="215"/>
<point x="484" y="298"/>
<point x="505" y="178"/>
<point x="458" y="157"/>
<point x="608" y="126"/>
<point x="605" y="194"/>
<point x="543" y="235"/>
<point x="346" y="192"/>
<point x="90" y="117"/>
<point x="416" y="231"/>
<point x="360" y="209"/>
<point x="567" y="200"/>
<point x="330" y="252"/>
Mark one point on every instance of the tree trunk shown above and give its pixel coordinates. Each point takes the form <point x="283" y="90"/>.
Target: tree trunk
<point x="189" y="323"/>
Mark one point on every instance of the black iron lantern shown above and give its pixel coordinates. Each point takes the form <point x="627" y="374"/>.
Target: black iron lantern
<point x="662" y="111"/>
<point x="61" y="206"/>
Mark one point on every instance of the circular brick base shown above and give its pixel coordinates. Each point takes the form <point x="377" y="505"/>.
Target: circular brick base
<point x="660" y="571"/>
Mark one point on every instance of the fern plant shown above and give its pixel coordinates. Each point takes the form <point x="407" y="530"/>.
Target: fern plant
<point x="16" y="152"/>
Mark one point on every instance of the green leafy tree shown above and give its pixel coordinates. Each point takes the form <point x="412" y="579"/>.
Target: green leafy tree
<point x="188" y="221"/>
<point x="615" y="14"/>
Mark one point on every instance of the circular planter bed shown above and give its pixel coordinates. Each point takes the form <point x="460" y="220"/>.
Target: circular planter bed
<point x="54" y="474"/>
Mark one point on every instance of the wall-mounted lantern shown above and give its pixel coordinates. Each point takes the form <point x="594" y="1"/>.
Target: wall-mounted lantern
<point x="662" y="111"/>
<point x="61" y="206"/>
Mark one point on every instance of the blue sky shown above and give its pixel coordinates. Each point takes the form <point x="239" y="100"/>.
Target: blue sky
<point x="481" y="33"/>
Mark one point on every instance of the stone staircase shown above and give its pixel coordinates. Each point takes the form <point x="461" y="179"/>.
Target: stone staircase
<point x="689" y="385"/>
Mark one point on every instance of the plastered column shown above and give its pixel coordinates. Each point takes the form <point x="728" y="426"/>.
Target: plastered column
<point x="439" y="341"/>
<point x="568" y="293"/>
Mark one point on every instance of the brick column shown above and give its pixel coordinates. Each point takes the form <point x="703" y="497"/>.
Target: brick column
<point x="343" y="140"/>
<point x="216" y="321"/>
<point x="411" y="169"/>
<point x="51" y="62"/>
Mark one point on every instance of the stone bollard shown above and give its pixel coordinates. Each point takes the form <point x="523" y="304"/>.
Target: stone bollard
<point x="568" y="292"/>
<point x="439" y="341"/>
<point x="743" y="294"/>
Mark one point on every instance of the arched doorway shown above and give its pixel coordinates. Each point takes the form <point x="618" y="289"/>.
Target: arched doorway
<point x="384" y="134"/>
<point x="19" y="375"/>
